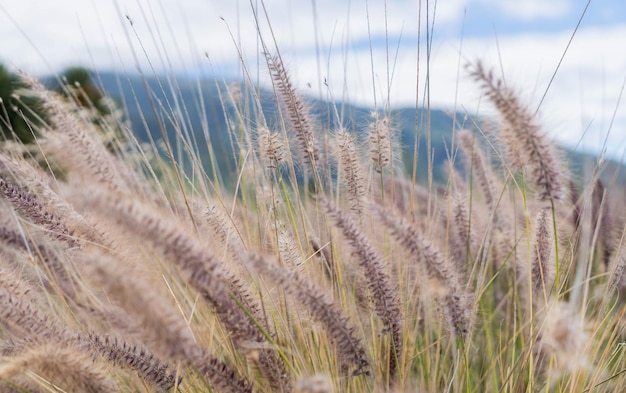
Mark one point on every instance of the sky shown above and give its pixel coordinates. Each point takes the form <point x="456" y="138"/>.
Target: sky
<point x="565" y="58"/>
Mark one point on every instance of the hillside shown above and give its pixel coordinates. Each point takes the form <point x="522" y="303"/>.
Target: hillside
<point x="201" y="110"/>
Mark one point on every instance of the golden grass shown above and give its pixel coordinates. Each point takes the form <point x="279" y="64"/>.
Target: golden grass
<point x="344" y="276"/>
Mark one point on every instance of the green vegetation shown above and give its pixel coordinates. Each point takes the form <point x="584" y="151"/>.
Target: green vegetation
<point x="18" y="117"/>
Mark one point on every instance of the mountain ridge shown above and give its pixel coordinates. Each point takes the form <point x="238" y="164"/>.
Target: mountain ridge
<point x="197" y="108"/>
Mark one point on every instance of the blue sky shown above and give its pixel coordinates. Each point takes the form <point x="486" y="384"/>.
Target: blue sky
<point x="483" y="18"/>
<point x="330" y="40"/>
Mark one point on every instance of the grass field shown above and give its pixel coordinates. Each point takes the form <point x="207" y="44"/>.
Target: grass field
<point x="324" y="267"/>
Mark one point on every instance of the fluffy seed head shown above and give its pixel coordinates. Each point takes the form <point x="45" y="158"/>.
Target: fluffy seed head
<point x="380" y="137"/>
<point x="525" y="143"/>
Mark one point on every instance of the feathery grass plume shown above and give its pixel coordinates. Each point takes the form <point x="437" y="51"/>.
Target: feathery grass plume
<point x="287" y="246"/>
<point x="353" y="279"/>
<point x="271" y="148"/>
<point x="87" y="154"/>
<point x="462" y="241"/>
<point x="323" y="310"/>
<point x="563" y="341"/>
<point x="542" y="270"/>
<point x="161" y="325"/>
<point x="441" y="272"/>
<point x="57" y="269"/>
<point x="20" y="315"/>
<point x="504" y="248"/>
<point x="454" y="176"/>
<point x="11" y="345"/>
<point x="384" y="294"/>
<point x="223" y="232"/>
<point x="588" y="215"/>
<point x="575" y="200"/>
<point x="11" y="238"/>
<point x="29" y="206"/>
<point x="326" y="256"/>
<point x="120" y="353"/>
<point x="525" y="143"/>
<point x="150" y="368"/>
<point x="235" y="306"/>
<point x="223" y="226"/>
<point x="298" y="116"/>
<point x="481" y="171"/>
<point x="598" y="194"/>
<point x="205" y="272"/>
<point x="617" y="278"/>
<point x="408" y="197"/>
<point x="50" y="366"/>
<point x="380" y="135"/>
<point x="221" y="376"/>
<point x="314" y="384"/>
<point x="135" y="358"/>
<point x="353" y="176"/>
<point x="35" y="182"/>
<point x="512" y="270"/>
<point x="600" y="216"/>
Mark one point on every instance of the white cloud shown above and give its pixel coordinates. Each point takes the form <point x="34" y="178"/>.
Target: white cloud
<point x="581" y="98"/>
<point x="531" y="9"/>
<point x="585" y="90"/>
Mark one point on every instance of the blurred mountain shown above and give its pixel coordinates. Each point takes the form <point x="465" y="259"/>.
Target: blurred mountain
<point x="200" y="115"/>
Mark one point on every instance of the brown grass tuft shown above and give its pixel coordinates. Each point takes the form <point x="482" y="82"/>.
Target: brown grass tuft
<point x="384" y="294"/>
<point x="525" y="143"/>
<point x="236" y="308"/>
<point x="542" y="266"/>
<point x="323" y="310"/>
<point x="442" y="274"/>
<point x="48" y="366"/>
<point x="380" y="135"/>
<point x="298" y="116"/>
<point x="353" y="175"/>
